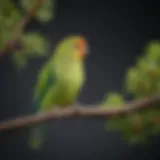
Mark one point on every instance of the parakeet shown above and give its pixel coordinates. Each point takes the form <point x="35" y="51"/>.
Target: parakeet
<point x="60" y="80"/>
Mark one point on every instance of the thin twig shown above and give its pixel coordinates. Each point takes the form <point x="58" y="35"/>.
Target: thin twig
<point x="10" y="45"/>
<point x="84" y="111"/>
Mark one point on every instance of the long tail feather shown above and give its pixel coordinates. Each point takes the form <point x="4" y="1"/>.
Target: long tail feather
<point x="36" y="137"/>
<point x="37" y="132"/>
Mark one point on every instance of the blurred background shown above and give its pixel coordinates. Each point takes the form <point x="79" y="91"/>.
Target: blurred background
<point x="117" y="33"/>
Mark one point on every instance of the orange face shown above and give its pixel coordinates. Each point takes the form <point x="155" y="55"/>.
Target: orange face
<point x="82" y="47"/>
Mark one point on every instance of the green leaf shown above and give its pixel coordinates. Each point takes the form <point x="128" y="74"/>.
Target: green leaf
<point x="34" y="44"/>
<point x="131" y="80"/>
<point x="45" y="12"/>
<point x="112" y="99"/>
<point x="152" y="51"/>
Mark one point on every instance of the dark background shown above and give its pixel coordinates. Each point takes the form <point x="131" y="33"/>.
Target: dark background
<point x="117" y="32"/>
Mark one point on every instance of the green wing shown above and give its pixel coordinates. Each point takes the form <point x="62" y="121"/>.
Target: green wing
<point x="44" y="87"/>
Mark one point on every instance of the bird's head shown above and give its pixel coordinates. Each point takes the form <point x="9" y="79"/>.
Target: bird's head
<point x="81" y="48"/>
<point x="73" y="48"/>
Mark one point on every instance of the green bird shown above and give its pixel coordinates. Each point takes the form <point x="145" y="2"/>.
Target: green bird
<point x="59" y="81"/>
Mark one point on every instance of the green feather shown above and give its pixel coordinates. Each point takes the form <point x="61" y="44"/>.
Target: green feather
<point x="59" y="83"/>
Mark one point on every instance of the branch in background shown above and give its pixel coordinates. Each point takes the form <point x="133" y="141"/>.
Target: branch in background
<point x="10" y="46"/>
<point x="85" y="111"/>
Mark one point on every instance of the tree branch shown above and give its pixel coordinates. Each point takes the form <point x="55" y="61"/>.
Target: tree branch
<point x="85" y="111"/>
<point x="10" y="46"/>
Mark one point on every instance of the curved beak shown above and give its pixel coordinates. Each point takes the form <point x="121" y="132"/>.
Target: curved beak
<point x="83" y="48"/>
<point x="84" y="51"/>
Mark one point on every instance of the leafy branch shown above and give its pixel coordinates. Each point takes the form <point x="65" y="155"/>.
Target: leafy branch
<point x="84" y="111"/>
<point x="10" y="45"/>
<point x="12" y="30"/>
